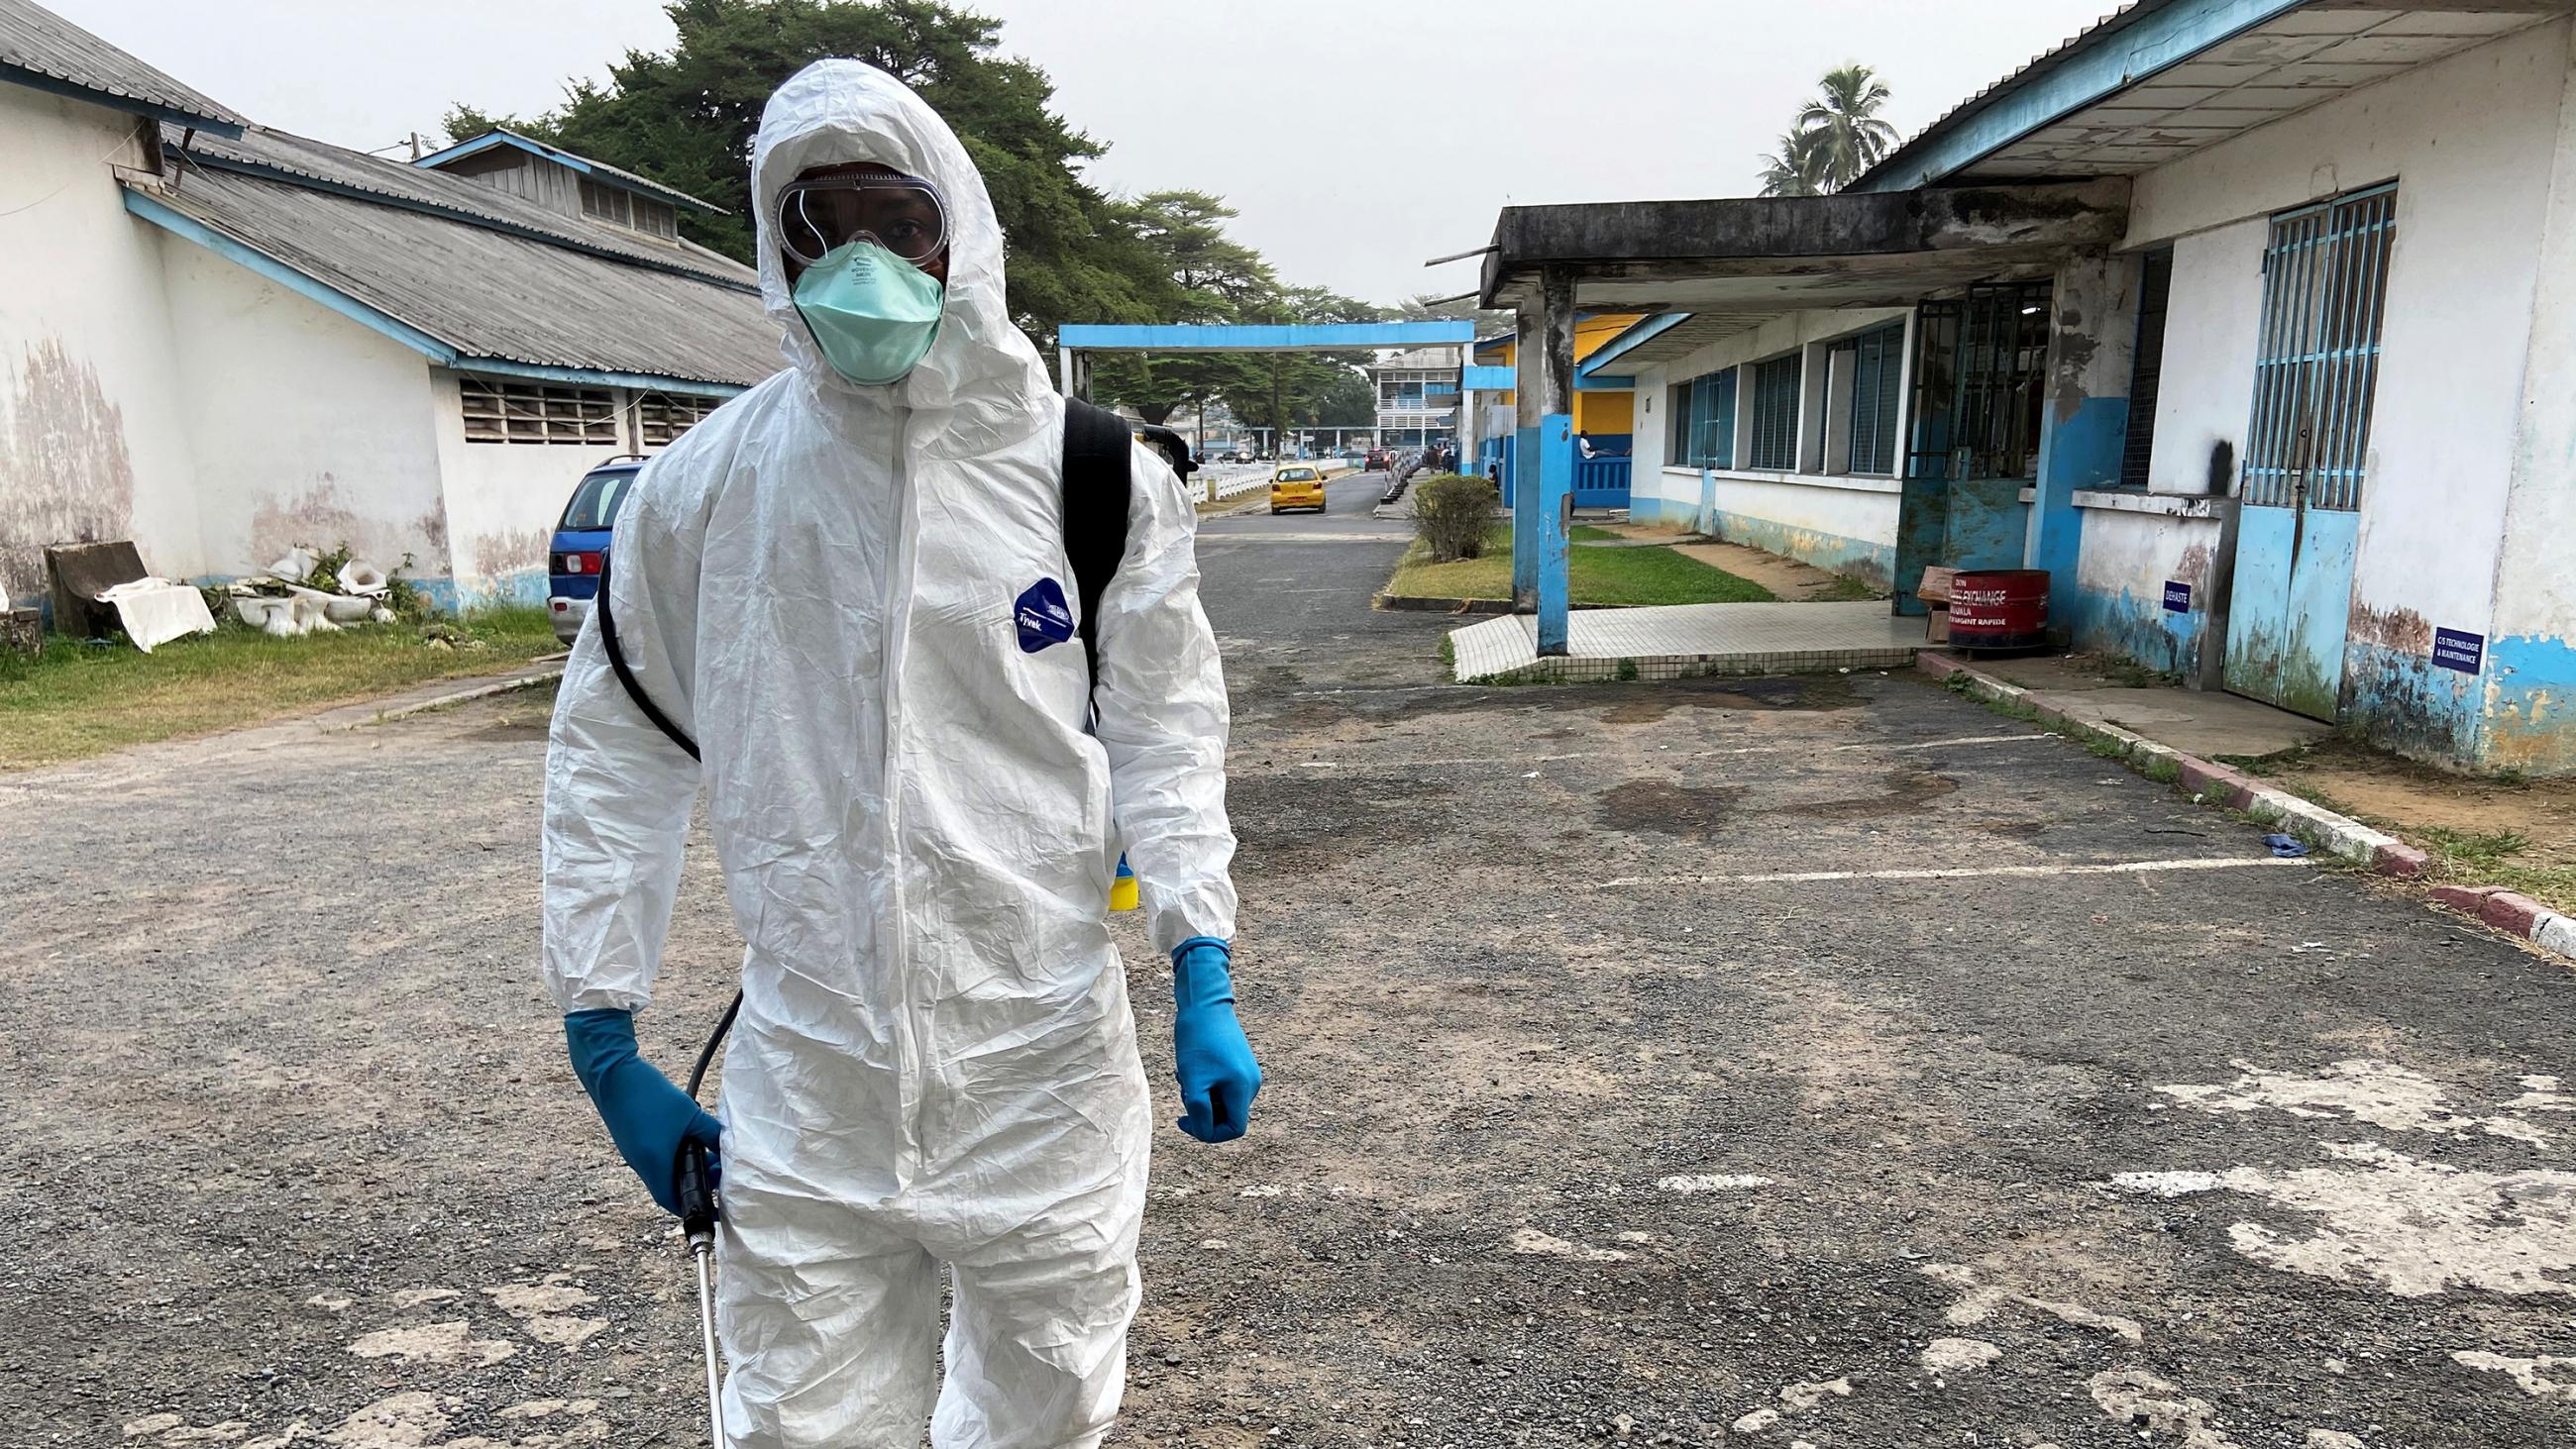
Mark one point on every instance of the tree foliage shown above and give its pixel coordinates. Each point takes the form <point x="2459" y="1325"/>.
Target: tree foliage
<point x="686" y="118"/>
<point x="1837" y="136"/>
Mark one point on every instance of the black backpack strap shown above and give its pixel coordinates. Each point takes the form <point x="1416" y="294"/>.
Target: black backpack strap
<point x="626" y="676"/>
<point x="1099" y="455"/>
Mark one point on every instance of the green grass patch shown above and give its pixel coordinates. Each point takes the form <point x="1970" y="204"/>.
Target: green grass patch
<point x="2499" y="858"/>
<point x="75" y="699"/>
<point x="1586" y="533"/>
<point x="1620" y="576"/>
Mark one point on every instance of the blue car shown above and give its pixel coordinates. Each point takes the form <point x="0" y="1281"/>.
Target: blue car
<point x="580" y="543"/>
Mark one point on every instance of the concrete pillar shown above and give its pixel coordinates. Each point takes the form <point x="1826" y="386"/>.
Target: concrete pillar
<point x="1064" y="370"/>
<point x="2084" y="417"/>
<point x="1556" y="460"/>
<point x="1528" y="330"/>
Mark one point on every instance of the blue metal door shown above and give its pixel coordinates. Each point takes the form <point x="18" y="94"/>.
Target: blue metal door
<point x="2307" y="448"/>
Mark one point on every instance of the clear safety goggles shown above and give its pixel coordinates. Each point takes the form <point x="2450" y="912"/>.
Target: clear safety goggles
<point x="900" y="213"/>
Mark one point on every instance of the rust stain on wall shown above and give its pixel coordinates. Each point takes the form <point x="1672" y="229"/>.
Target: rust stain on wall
<point x="2403" y="630"/>
<point x="496" y="554"/>
<point x="65" y="473"/>
<point x="2193" y="566"/>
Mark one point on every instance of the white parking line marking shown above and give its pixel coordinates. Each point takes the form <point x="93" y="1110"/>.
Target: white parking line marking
<point x="1801" y="877"/>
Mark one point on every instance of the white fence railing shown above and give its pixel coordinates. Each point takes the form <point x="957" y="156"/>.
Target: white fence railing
<point x="1221" y="481"/>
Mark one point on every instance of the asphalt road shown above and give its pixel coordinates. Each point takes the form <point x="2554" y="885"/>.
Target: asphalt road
<point x="1631" y="1076"/>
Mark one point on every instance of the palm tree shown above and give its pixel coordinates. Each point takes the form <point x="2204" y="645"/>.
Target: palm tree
<point x="1843" y="125"/>
<point x="1794" y="169"/>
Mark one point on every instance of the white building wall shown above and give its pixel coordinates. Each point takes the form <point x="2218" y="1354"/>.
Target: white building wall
<point x="308" y="427"/>
<point x="503" y="500"/>
<point x="1843" y="523"/>
<point x="91" y="441"/>
<point x="2470" y="142"/>
<point x="2530" y="719"/>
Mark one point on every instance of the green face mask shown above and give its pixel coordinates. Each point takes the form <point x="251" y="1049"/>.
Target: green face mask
<point x="873" y="313"/>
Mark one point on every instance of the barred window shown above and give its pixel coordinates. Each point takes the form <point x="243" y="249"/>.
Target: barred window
<point x="661" y="417"/>
<point x="2316" y="368"/>
<point x="1774" y="440"/>
<point x="527" y="412"/>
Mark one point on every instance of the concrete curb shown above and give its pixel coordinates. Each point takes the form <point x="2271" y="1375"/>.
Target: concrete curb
<point x="439" y="696"/>
<point x="2341" y="835"/>
<point x="1434" y="604"/>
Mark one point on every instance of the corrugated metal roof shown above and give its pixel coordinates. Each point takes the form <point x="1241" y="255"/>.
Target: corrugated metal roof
<point x="2115" y="20"/>
<point x="551" y="152"/>
<point x="488" y="293"/>
<point x="295" y="156"/>
<point x="36" y="40"/>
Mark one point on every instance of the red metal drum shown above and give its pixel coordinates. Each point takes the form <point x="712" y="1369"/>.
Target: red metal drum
<point x="1999" y="609"/>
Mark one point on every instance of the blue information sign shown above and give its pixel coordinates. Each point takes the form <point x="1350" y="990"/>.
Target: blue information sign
<point x="2453" y="649"/>
<point x="2177" y="597"/>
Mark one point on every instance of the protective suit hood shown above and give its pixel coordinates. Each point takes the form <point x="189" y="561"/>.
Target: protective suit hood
<point x="982" y="384"/>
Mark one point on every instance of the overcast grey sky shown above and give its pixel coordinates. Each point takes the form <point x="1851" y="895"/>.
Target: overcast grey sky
<point x="1357" y="137"/>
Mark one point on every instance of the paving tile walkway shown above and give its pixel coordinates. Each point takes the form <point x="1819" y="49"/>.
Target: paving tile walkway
<point x="1680" y="640"/>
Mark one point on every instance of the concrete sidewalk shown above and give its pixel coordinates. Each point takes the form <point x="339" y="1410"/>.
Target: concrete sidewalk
<point x="1682" y="640"/>
<point x="2199" y="722"/>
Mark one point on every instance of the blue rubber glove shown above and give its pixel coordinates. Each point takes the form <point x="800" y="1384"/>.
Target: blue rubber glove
<point x="647" y="1117"/>
<point x="1219" y="1078"/>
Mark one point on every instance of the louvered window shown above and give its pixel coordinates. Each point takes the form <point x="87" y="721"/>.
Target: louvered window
<point x="526" y="412"/>
<point x="1774" y="439"/>
<point x="1878" y="363"/>
<point x="661" y="417"/>
<point x="2146" y="375"/>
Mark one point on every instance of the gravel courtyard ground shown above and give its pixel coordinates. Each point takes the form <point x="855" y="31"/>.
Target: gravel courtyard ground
<point x="1817" y="1060"/>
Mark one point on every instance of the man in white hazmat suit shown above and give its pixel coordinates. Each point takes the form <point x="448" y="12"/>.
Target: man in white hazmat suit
<point x="847" y="588"/>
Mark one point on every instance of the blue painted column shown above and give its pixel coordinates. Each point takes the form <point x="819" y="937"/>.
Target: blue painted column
<point x="2084" y="420"/>
<point x="1552" y="520"/>
<point x="1556" y="508"/>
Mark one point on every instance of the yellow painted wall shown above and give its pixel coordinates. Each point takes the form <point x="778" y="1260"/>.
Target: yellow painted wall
<point x="1594" y="412"/>
<point x="1605" y="412"/>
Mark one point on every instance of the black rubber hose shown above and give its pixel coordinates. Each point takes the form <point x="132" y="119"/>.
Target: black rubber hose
<point x="715" y="1039"/>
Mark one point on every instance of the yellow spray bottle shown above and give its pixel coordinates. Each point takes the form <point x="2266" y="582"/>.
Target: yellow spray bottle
<point x="1122" y="891"/>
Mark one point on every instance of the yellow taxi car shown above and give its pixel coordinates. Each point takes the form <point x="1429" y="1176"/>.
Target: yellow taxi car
<point x="1296" y="485"/>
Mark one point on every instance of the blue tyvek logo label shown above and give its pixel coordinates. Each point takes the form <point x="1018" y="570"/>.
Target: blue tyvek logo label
<point x="1045" y="619"/>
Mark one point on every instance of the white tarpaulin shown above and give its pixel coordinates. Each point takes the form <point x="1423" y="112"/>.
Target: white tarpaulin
<point x="156" y="611"/>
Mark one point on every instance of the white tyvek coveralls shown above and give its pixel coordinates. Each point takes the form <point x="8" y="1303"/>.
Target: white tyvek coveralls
<point x="935" y="1060"/>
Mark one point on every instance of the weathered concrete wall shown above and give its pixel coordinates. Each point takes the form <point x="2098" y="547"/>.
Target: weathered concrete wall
<point x="2472" y="142"/>
<point x="91" y="445"/>
<point x="2528" y="698"/>
<point x="308" y="428"/>
<point x="1847" y="525"/>
<point x="503" y="500"/>
<point x="2128" y="557"/>
<point x="2084" y="419"/>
